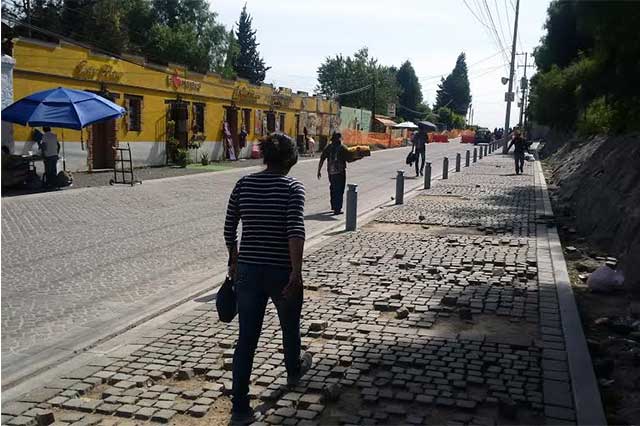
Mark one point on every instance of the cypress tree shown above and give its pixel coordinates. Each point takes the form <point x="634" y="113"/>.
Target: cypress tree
<point x="454" y="91"/>
<point x="248" y="63"/>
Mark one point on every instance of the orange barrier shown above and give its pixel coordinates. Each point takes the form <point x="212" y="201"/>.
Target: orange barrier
<point x="468" y="136"/>
<point x="438" y="138"/>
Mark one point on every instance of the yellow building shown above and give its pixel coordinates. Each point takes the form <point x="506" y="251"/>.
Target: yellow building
<point x="168" y="106"/>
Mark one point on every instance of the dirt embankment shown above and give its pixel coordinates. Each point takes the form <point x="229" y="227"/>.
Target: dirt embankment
<point x="595" y="187"/>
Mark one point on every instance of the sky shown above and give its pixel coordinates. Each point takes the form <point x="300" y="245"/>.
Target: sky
<point x="296" y="36"/>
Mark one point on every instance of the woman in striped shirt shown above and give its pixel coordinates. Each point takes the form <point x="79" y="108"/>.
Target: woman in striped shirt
<point x="268" y="265"/>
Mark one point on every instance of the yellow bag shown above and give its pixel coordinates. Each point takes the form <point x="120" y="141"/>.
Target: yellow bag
<point x="357" y="152"/>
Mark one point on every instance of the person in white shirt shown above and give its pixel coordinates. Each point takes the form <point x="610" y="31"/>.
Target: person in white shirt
<point x="50" y="148"/>
<point x="311" y="145"/>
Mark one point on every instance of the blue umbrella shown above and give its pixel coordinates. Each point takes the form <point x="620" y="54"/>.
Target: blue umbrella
<point x="65" y="108"/>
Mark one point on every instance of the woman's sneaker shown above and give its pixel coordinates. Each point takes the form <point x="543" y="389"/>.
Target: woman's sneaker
<point x="305" y="364"/>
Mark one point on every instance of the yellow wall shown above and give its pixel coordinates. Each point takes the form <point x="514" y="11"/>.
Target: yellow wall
<point x="41" y="66"/>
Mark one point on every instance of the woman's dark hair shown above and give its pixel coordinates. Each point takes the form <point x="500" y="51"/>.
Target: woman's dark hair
<point x="279" y="150"/>
<point x="46" y="128"/>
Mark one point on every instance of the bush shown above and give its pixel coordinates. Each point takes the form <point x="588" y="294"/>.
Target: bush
<point x="204" y="159"/>
<point x="597" y="119"/>
<point x="181" y="157"/>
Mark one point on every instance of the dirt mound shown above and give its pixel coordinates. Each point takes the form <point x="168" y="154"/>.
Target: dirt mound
<point x="595" y="186"/>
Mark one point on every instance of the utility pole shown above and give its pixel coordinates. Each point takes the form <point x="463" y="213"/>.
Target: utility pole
<point x="525" y="86"/>
<point x="509" y="93"/>
<point x="373" y="105"/>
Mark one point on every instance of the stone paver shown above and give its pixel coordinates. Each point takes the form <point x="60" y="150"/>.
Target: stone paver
<point x="76" y="263"/>
<point x="448" y="320"/>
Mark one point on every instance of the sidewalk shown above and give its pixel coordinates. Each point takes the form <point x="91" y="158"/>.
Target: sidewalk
<point x="449" y="309"/>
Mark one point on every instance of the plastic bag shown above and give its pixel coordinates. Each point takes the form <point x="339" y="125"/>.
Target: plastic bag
<point x="529" y="157"/>
<point x="605" y="280"/>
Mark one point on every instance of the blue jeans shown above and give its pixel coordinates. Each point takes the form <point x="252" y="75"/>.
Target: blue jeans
<point x="255" y="285"/>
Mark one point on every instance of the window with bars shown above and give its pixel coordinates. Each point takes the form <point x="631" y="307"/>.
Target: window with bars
<point x="198" y="118"/>
<point x="246" y="120"/>
<point x="134" y="111"/>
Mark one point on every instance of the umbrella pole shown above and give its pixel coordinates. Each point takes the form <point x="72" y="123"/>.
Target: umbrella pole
<point x="64" y="157"/>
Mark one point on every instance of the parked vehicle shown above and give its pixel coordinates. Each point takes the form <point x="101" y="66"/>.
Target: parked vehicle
<point x="483" y="136"/>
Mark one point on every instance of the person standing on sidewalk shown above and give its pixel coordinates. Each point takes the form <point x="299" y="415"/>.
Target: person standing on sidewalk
<point x="518" y="154"/>
<point x="50" y="149"/>
<point x="336" y="155"/>
<point x="419" y="147"/>
<point x="270" y="205"/>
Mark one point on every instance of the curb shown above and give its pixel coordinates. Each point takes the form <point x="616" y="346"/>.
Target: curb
<point x="586" y="394"/>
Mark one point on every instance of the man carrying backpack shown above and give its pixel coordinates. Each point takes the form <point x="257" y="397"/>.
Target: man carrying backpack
<point x="520" y="148"/>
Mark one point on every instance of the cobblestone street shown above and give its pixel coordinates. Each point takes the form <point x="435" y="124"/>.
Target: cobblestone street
<point x="440" y="311"/>
<point x="84" y="264"/>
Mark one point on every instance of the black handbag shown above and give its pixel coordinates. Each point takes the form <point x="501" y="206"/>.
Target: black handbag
<point x="411" y="158"/>
<point x="226" y="303"/>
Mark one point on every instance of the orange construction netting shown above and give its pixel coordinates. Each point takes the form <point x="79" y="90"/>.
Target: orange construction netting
<point x="352" y="137"/>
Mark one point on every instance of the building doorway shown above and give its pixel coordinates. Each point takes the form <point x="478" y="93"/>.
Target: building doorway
<point x="103" y="144"/>
<point x="179" y="114"/>
<point x="231" y="118"/>
<point x="103" y="141"/>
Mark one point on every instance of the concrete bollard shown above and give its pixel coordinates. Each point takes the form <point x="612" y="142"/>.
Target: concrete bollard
<point x="427" y="176"/>
<point x="352" y="207"/>
<point x="481" y="150"/>
<point x="475" y="154"/>
<point x="458" y="158"/>
<point x="400" y="187"/>
<point x="445" y="168"/>
<point x="467" y="158"/>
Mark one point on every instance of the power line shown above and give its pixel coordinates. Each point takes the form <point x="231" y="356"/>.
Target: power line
<point x="432" y="77"/>
<point x="493" y="26"/>
<point x="474" y="14"/>
<point x="351" y="92"/>
<point x="506" y="11"/>
<point x="499" y="17"/>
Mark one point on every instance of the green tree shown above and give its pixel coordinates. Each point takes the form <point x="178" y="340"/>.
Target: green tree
<point x="447" y="117"/>
<point x="138" y="20"/>
<point x="345" y="74"/>
<point x="454" y="91"/>
<point x="231" y="56"/>
<point x="410" y="98"/>
<point x="248" y="63"/>
<point x="108" y="31"/>
<point x="588" y="74"/>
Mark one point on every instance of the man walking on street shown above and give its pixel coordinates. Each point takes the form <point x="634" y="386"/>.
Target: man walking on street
<point x="335" y="154"/>
<point x="518" y="154"/>
<point x="50" y="148"/>
<point x="419" y="147"/>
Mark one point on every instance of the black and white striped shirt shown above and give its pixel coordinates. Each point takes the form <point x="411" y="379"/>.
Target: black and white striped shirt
<point x="271" y="208"/>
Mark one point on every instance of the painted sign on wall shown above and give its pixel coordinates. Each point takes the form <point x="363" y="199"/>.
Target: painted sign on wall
<point x="104" y="73"/>
<point x="178" y="82"/>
